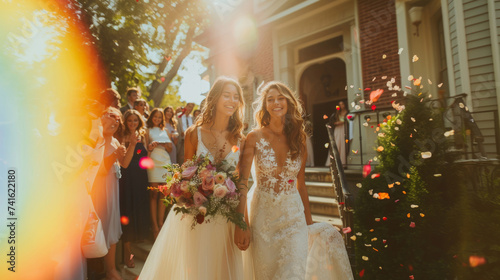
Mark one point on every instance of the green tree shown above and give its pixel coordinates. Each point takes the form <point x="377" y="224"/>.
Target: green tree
<point x="143" y="44"/>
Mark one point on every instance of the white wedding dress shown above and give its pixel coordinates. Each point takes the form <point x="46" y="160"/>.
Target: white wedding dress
<point x="283" y="246"/>
<point x="206" y="252"/>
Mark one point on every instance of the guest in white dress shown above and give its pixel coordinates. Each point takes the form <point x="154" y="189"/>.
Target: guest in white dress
<point x="159" y="145"/>
<point x="206" y="252"/>
<point x="285" y="242"/>
<point x="105" y="193"/>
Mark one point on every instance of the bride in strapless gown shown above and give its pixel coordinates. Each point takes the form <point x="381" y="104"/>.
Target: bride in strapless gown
<point x="207" y="251"/>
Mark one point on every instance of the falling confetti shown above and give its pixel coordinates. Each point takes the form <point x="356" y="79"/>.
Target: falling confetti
<point x="365" y="258"/>
<point x="398" y="121"/>
<point x="384" y="56"/>
<point x="325" y="117"/>
<point x="422" y="215"/>
<point x="412" y="224"/>
<point x="384" y="77"/>
<point x="417" y="82"/>
<point x="235" y="148"/>
<point x="124" y="220"/>
<point x="162" y="79"/>
<point x="426" y="155"/>
<point x="359" y="185"/>
<point x="377" y="219"/>
<point x="146" y="163"/>
<point x="391" y="186"/>
<point x="400" y="51"/>
<point x="346" y="230"/>
<point x="139" y="151"/>
<point x="437" y="175"/>
<point x="337" y="107"/>
<point x="385" y="219"/>
<point x="440" y="85"/>
<point x="355" y="151"/>
<point x="327" y="145"/>
<point x="413" y="119"/>
<point x="362" y="273"/>
<point x="374" y="78"/>
<point x="290" y="181"/>
<point x="359" y="233"/>
<point x="380" y="148"/>
<point x="375" y="95"/>
<point x="411" y="78"/>
<point x="475" y="261"/>
<point x="415" y="58"/>
<point x="449" y="133"/>
<point x="383" y="195"/>
<point x="353" y="238"/>
<point x="414" y="206"/>
<point x="394" y="95"/>
<point x="408" y="215"/>
<point x="374" y="107"/>
<point x="429" y="81"/>
<point x="375" y="175"/>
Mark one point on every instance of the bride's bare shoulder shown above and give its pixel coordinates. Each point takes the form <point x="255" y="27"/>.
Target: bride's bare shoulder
<point x="253" y="135"/>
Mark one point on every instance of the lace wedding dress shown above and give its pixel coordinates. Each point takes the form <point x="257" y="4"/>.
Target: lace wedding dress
<point x="283" y="246"/>
<point x="205" y="252"/>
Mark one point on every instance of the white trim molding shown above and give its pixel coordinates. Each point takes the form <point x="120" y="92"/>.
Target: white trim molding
<point x="404" y="57"/>
<point x="495" y="48"/>
<point x="463" y="57"/>
<point x="447" y="43"/>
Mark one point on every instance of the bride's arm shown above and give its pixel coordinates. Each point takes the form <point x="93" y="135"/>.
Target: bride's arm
<point x="301" y="187"/>
<point x="190" y="143"/>
<point x="241" y="237"/>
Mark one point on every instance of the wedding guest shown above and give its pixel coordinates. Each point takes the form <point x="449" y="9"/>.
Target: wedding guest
<point x="159" y="145"/>
<point x="196" y="113"/>
<point x="185" y="121"/>
<point x="104" y="193"/>
<point x="132" y="95"/>
<point x="140" y="105"/>
<point x="172" y="129"/>
<point x="309" y="146"/>
<point x="110" y="97"/>
<point x="134" y="197"/>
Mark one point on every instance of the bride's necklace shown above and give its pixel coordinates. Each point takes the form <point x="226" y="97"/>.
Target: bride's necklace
<point x="277" y="134"/>
<point x="215" y="147"/>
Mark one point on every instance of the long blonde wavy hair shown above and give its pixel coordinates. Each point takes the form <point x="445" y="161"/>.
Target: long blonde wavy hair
<point x="208" y="113"/>
<point x="294" y="127"/>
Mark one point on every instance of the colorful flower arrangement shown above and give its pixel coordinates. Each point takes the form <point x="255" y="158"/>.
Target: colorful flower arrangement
<point x="201" y="189"/>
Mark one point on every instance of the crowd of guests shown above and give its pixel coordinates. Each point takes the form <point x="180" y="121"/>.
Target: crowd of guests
<point x="134" y="137"/>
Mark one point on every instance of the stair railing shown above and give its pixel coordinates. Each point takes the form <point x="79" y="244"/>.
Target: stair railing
<point x="344" y="197"/>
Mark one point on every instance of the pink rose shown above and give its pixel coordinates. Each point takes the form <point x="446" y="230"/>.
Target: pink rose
<point x="189" y="172"/>
<point x="205" y="173"/>
<point x="176" y="190"/>
<point x="208" y="183"/>
<point x="210" y="167"/>
<point x="199" y="198"/>
<point x="184" y="185"/>
<point x="230" y="185"/>
<point x="220" y="191"/>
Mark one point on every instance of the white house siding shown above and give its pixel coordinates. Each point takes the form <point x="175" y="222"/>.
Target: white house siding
<point x="481" y="71"/>
<point x="454" y="46"/>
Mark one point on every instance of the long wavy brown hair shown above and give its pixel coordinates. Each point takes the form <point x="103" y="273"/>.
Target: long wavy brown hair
<point x="173" y="120"/>
<point x="294" y="127"/>
<point x="140" y="128"/>
<point x="208" y="113"/>
<point x="149" y="122"/>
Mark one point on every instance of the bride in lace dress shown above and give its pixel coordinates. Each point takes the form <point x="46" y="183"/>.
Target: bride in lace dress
<point x="285" y="242"/>
<point x="208" y="251"/>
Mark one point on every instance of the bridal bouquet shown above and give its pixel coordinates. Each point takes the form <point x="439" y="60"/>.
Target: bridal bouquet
<point x="201" y="189"/>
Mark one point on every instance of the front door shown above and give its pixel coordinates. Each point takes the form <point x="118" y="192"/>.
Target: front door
<point x="320" y="134"/>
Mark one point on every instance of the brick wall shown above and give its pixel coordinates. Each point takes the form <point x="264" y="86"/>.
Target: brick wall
<point x="378" y="36"/>
<point x="262" y="61"/>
